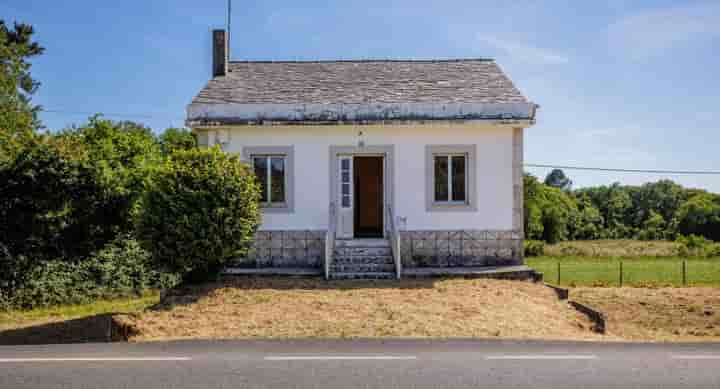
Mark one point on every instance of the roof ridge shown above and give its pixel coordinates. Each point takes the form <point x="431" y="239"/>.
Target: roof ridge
<point x="389" y="60"/>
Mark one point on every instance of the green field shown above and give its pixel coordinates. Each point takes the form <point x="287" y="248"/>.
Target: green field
<point x="637" y="271"/>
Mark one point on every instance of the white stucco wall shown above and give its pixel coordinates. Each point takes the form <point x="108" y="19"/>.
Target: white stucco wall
<point x="311" y="181"/>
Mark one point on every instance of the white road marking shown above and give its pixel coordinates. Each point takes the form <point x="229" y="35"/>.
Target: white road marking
<point x="529" y="357"/>
<point x="88" y="359"/>
<point x="341" y="358"/>
<point x="716" y="357"/>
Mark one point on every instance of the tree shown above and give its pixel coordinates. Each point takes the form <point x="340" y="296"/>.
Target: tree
<point x="654" y="228"/>
<point x="589" y="222"/>
<point x="124" y="154"/>
<point x="18" y="117"/>
<point x="174" y="139"/>
<point x="557" y="179"/>
<point x="657" y="199"/>
<point x="16" y="83"/>
<point x="549" y="212"/>
<point x="700" y="215"/>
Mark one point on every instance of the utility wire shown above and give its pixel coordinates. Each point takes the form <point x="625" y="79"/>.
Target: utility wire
<point x="123" y="115"/>
<point x="600" y="169"/>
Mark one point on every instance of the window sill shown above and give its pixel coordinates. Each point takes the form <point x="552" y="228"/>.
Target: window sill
<point x="276" y="209"/>
<point x="451" y="207"/>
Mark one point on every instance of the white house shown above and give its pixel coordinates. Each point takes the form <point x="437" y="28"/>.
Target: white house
<point x="371" y="168"/>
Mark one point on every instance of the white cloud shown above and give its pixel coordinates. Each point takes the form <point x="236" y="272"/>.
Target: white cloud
<point x="524" y="52"/>
<point x="655" y="31"/>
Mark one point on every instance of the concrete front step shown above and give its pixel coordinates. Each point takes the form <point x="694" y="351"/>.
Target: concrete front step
<point x="362" y="243"/>
<point x="376" y="260"/>
<point x="362" y="259"/>
<point x="363" y="276"/>
<point x="366" y="268"/>
<point x="362" y="251"/>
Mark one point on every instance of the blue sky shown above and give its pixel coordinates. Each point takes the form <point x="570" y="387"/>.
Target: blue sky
<point x="621" y="84"/>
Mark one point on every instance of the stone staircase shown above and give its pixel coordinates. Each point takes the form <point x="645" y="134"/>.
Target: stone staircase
<point x="362" y="259"/>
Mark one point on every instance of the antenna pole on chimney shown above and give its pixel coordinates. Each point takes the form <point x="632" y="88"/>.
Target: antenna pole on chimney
<point x="229" y="20"/>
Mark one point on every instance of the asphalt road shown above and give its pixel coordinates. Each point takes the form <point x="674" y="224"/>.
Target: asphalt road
<point x="361" y="364"/>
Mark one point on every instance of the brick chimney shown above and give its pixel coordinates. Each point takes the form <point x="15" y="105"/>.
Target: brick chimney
<point x="220" y="53"/>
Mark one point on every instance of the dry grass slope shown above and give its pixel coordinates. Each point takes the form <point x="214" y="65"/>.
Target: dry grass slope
<point x="663" y="314"/>
<point x="292" y="308"/>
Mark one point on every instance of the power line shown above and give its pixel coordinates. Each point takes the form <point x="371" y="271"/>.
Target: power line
<point x="599" y="169"/>
<point x="110" y="114"/>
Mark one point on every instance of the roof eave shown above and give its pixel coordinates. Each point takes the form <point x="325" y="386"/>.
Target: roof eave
<point x="215" y="115"/>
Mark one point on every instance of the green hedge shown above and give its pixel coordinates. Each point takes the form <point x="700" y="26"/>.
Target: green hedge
<point x="122" y="268"/>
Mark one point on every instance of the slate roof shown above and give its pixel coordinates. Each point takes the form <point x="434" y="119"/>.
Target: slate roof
<point x="361" y="82"/>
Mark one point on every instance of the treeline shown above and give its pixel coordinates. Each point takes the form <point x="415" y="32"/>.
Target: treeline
<point x="660" y="210"/>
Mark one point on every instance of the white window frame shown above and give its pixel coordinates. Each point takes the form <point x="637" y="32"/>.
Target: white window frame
<point x="449" y="158"/>
<point x="449" y="151"/>
<point x="269" y="152"/>
<point x="268" y="179"/>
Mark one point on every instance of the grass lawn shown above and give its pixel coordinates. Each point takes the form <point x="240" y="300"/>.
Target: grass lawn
<point x="637" y="271"/>
<point x="18" y="319"/>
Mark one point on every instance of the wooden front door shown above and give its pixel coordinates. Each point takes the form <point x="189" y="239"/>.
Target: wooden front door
<point x="368" y="177"/>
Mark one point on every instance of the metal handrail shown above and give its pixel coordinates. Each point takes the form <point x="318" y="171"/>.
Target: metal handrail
<point x="394" y="235"/>
<point x="330" y="238"/>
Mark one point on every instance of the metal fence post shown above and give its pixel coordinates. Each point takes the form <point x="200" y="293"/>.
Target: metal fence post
<point x="621" y="274"/>
<point x="558" y="278"/>
<point x="684" y="272"/>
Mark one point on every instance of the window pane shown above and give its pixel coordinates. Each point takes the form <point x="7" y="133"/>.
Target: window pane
<point x="345" y="163"/>
<point x="277" y="184"/>
<point x="345" y="176"/>
<point x="346" y="189"/>
<point x="346" y="201"/>
<point x="260" y="166"/>
<point x="458" y="178"/>
<point x="441" y="179"/>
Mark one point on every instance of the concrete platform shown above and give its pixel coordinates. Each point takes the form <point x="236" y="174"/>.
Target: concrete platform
<point x="506" y="272"/>
<point x="274" y="271"/>
<point x="503" y="272"/>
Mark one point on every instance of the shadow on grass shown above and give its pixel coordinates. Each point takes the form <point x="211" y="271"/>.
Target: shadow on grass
<point x="91" y="329"/>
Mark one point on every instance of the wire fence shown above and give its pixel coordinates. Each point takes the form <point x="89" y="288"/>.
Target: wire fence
<point x="631" y="273"/>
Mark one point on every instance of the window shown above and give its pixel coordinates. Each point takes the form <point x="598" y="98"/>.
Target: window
<point x="450" y="178"/>
<point x="345" y="182"/>
<point x="273" y="167"/>
<point x="270" y="171"/>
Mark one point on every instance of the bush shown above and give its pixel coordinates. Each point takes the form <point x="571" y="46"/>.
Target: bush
<point x="201" y="211"/>
<point x="534" y="248"/>
<point x="120" y="269"/>
<point x="695" y="245"/>
<point x="714" y="251"/>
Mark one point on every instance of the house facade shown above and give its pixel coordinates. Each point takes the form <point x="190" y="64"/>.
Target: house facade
<point x="373" y="167"/>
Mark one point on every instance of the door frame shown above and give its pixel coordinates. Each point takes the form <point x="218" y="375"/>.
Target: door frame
<point x="385" y="151"/>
